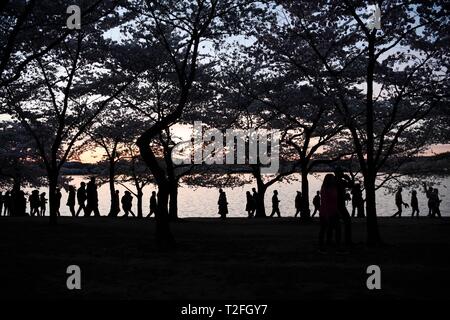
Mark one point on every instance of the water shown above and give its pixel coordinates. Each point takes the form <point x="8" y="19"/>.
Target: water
<point x="202" y="201"/>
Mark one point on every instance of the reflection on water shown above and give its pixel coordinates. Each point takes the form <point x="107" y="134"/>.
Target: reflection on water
<point x="202" y="201"/>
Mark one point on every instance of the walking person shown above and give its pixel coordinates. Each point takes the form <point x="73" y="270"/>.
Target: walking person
<point x="92" y="198"/>
<point x="153" y="204"/>
<point x="399" y="203"/>
<point x="329" y="214"/>
<point x="275" y="205"/>
<point x="250" y="205"/>
<point x="71" y="200"/>
<point x="316" y="203"/>
<point x="357" y="201"/>
<point x="436" y="203"/>
<point x="223" y="204"/>
<point x="34" y="203"/>
<point x="414" y="203"/>
<point x="81" y="198"/>
<point x="428" y="193"/>
<point x="298" y="204"/>
<point x="127" y="204"/>
<point x="43" y="204"/>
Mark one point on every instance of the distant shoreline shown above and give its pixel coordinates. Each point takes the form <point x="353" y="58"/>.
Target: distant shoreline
<point x="426" y="165"/>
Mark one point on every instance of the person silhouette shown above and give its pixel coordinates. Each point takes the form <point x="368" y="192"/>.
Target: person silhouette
<point x="399" y="202"/>
<point x="15" y="205"/>
<point x="153" y="204"/>
<point x="329" y="213"/>
<point x="92" y="198"/>
<point x="414" y="203"/>
<point x="7" y="203"/>
<point x="298" y="204"/>
<point x="316" y="203"/>
<point x="435" y="202"/>
<point x="275" y="205"/>
<point x="344" y="182"/>
<point x="348" y="198"/>
<point x="357" y="201"/>
<point x="58" y="201"/>
<point x="43" y="203"/>
<point x="21" y="204"/>
<point x="249" y="206"/>
<point x="34" y="203"/>
<point x="428" y="193"/>
<point x="71" y="200"/>
<point x="81" y="198"/>
<point x="223" y="204"/>
<point x="255" y="202"/>
<point x="115" y="207"/>
<point x="127" y="204"/>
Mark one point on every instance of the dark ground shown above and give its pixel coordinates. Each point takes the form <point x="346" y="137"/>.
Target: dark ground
<point x="233" y="259"/>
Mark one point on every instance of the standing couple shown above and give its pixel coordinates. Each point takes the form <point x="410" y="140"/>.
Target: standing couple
<point x="333" y="209"/>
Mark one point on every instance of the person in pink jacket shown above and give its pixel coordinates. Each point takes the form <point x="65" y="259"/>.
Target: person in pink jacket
<point x="329" y="213"/>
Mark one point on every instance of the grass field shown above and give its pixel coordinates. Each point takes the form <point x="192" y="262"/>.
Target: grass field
<point x="214" y="259"/>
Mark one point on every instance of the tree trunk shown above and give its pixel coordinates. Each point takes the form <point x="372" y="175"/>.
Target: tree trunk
<point x="373" y="236"/>
<point x="52" y="185"/>
<point x="305" y="212"/>
<point x="112" y="189"/>
<point x="173" y="204"/>
<point x="164" y="237"/>
<point x="260" y="207"/>
<point x="139" y="196"/>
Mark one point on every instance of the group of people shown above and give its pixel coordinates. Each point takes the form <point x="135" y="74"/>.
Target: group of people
<point x="38" y="203"/>
<point x="252" y="201"/>
<point x="13" y="201"/>
<point x="330" y="202"/>
<point x="434" y="202"/>
<point x="329" y="208"/>
<point x="252" y="205"/>
<point x="86" y="196"/>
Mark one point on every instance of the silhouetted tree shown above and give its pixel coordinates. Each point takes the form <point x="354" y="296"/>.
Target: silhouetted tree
<point x="31" y="29"/>
<point x="113" y="132"/>
<point x="179" y="27"/>
<point x="384" y="83"/>
<point x="19" y="164"/>
<point x="60" y="95"/>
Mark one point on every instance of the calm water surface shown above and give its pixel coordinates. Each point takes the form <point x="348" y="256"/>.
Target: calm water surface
<point x="202" y="201"/>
